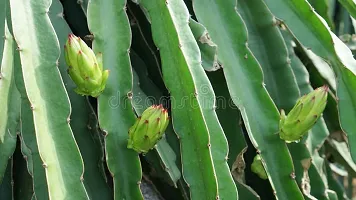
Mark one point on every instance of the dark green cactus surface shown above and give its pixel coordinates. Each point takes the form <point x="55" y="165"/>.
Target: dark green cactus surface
<point x="177" y="99"/>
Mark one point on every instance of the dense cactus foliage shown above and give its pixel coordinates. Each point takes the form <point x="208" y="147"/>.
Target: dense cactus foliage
<point x="192" y="99"/>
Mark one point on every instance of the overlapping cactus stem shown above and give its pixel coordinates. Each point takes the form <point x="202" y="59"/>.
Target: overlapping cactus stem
<point x="148" y="129"/>
<point x="85" y="68"/>
<point x="303" y="116"/>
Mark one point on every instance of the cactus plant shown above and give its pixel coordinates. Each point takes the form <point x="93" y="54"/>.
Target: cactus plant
<point x="221" y="71"/>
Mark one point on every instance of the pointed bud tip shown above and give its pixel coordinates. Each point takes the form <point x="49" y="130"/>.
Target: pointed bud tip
<point x="325" y="88"/>
<point x="71" y="36"/>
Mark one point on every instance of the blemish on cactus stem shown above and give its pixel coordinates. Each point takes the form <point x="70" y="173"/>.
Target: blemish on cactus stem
<point x="209" y="145"/>
<point x="68" y="120"/>
<point x="245" y="56"/>
<point x="32" y="107"/>
<point x="81" y="178"/>
<point x="25" y="157"/>
<point x="292" y="175"/>
<point x="138" y="182"/>
<point x="129" y="95"/>
<point x="44" y="165"/>
<point x="89" y="38"/>
<point x="89" y="127"/>
<point x="105" y="133"/>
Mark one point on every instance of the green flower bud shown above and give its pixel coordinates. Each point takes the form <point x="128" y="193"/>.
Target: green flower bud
<point x="257" y="167"/>
<point x="303" y="116"/>
<point x="148" y="129"/>
<point x="85" y="68"/>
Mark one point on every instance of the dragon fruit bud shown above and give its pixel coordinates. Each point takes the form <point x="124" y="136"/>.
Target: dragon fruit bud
<point x="148" y="129"/>
<point x="85" y="68"/>
<point x="257" y="167"/>
<point x="303" y="116"/>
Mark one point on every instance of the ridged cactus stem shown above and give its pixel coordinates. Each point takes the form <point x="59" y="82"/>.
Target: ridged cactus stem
<point x="51" y="110"/>
<point x="313" y="32"/>
<point x="245" y="83"/>
<point x="115" y="111"/>
<point x="10" y="103"/>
